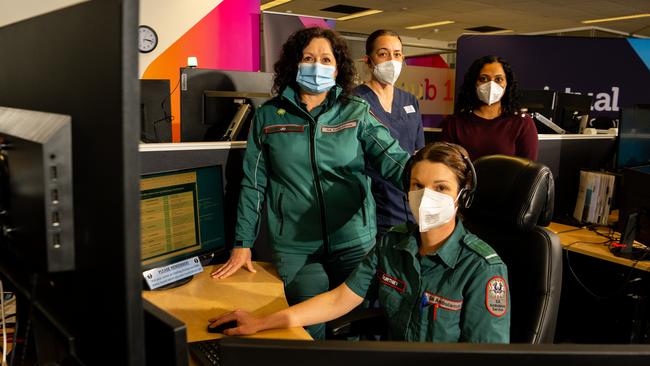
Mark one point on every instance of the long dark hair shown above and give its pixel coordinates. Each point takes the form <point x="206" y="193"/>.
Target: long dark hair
<point x="287" y="66"/>
<point x="467" y="98"/>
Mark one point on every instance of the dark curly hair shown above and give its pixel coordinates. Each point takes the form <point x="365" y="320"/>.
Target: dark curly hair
<point x="468" y="100"/>
<point x="286" y="68"/>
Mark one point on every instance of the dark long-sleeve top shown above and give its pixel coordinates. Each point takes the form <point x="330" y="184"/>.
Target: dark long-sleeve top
<point x="514" y="135"/>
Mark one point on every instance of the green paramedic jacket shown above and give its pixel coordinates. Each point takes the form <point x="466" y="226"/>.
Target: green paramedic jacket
<point x="310" y="173"/>
<point x="457" y="294"/>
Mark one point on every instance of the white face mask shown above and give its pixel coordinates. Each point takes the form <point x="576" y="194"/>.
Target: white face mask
<point x="490" y="92"/>
<point x="431" y="209"/>
<point x="387" y="72"/>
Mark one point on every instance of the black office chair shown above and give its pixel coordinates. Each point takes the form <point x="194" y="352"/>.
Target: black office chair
<point x="514" y="199"/>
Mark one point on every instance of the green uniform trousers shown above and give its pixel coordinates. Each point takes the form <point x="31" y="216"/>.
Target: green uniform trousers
<point x="307" y="275"/>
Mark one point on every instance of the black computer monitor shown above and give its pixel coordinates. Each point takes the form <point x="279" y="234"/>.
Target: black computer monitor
<point x="634" y="213"/>
<point x="634" y="137"/>
<point x="234" y="351"/>
<point x="538" y="101"/>
<point x="36" y="189"/>
<point x="155" y="111"/>
<point x="569" y="109"/>
<point x="213" y="100"/>
<point x="182" y="215"/>
<point x="161" y="330"/>
<point x="81" y="61"/>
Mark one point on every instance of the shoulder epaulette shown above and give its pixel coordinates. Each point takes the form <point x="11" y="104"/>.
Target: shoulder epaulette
<point x="275" y="101"/>
<point x="482" y="249"/>
<point x="358" y="99"/>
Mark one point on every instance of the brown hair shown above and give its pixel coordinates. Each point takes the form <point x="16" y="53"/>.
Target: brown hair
<point x="370" y="42"/>
<point x="455" y="157"/>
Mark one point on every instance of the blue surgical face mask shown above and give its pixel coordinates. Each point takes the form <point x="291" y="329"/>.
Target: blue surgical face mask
<point x="316" y="78"/>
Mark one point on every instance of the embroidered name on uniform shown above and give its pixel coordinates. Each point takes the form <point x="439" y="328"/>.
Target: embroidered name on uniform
<point x="393" y="282"/>
<point x="496" y="296"/>
<point x="409" y="109"/>
<point x="337" y="128"/>
<point x="442" y="302"/>
<point x="283" y="128"/>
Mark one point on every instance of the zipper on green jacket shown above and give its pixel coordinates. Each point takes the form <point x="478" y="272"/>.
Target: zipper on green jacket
<point x="281" y="214"/>
<point x="363" y="206"/>
<point x="319" y="189"/>
<point x="314" y="168"/>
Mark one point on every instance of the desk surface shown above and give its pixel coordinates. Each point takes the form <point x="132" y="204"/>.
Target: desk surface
<point x="589" y="243"/>
<point x="260" y="293"/>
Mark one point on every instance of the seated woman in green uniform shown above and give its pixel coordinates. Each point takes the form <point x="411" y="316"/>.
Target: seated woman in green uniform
<point x="435" y="280"/>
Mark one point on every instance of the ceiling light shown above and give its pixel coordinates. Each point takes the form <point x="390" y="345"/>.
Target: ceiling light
<point x="634" y="16"/>
<point x="272" y="4"/>
<point x="500" y="31"/>
<point x="361" y="14"/>
<point x="444" y="22"/>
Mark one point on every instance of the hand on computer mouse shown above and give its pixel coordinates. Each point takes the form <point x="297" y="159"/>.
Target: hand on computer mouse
<point x="221" y="327"/>
<point x="238" y="322"/>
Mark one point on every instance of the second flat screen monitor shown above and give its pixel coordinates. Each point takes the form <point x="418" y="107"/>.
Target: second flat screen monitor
<point x="214" y="100"/>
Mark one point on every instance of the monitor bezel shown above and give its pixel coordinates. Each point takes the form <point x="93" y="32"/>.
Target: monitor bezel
<point x="201" y="252"/>
<point x="242" y="351"/>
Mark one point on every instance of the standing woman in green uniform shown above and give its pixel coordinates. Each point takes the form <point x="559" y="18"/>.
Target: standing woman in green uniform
<point x="305" y="159"/>
<point x="435" y="280"/>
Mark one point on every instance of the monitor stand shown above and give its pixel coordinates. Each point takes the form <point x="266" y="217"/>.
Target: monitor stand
<point x="627" y="249"/>
<point x="636" y="254"/>
<point x="548" y="123"/>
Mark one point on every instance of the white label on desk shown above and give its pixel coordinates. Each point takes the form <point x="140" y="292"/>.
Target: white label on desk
<point x="162" y="276"/>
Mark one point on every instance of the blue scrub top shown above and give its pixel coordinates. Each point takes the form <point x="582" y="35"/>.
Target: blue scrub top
<point x="405" y="124"/>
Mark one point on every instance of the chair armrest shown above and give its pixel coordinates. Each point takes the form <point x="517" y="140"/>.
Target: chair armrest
<point x="358" y="322"/>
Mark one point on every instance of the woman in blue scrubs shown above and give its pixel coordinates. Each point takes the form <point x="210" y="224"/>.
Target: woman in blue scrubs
<point x="396" y="109"/>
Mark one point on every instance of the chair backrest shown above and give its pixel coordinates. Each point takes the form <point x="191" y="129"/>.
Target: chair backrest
<point x="513" y="200"/>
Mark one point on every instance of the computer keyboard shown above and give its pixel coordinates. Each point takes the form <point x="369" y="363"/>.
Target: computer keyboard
<point x="206" y="353"/>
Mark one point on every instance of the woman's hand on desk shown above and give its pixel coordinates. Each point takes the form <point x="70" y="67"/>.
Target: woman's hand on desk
<point x="238" y="257"/>
<point x="247" y="324"/>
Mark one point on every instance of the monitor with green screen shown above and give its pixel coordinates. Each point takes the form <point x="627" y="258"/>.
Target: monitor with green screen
<point x="181" y="215"/>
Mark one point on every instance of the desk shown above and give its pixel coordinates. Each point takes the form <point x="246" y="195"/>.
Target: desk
<point x="585" y="318"/>
<point x="589" y="243"/>
<point x="260" y="293"/>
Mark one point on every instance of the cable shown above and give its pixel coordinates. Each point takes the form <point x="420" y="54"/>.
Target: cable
<point x="162" y="104"/>
<point x="165" y="118"/>
<point x="587" y="289"/>
<point x="4" y="325"/>
<point x="568" y="231"/>
<point x="30" y="314"/>
<point x="609" y="235"/>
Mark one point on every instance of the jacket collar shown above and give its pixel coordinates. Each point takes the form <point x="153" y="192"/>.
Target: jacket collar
<point x="292" y="96"/>
<point x="448" y="252"/>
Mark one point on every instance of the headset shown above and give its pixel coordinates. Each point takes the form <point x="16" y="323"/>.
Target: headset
<point x="466" y="196"/>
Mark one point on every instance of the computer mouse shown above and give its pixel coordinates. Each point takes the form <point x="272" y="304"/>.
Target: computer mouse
<point x="221" y="327"/>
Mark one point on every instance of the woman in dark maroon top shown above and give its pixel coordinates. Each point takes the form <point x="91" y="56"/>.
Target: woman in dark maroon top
<point x="486" y="119"/>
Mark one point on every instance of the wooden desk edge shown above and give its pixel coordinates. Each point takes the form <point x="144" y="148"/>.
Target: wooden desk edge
<point x="296" y="333"/>
<point x="566" y="234"/>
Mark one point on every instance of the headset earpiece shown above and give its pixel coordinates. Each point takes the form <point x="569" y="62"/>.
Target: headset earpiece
<point x="467" y="196"/>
